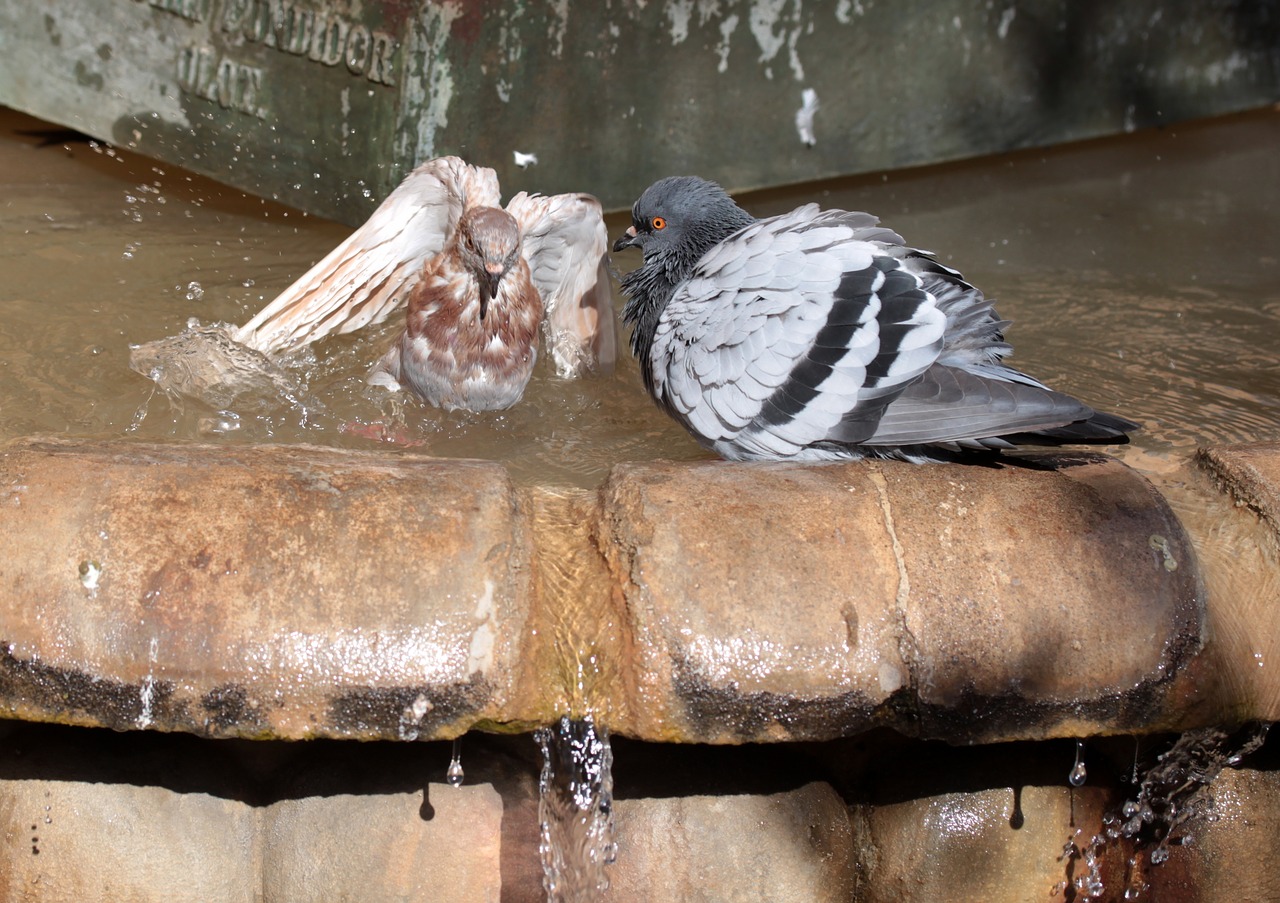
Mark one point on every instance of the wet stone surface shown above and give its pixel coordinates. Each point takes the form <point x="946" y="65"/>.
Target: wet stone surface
<point x="1251" y="474"/>
<point x="269" y="592"/>
<point x="790" y="602"/>
<point x="294" y="592"/>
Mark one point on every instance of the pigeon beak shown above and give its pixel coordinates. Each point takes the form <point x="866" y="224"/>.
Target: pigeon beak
<point x="629" y="239"/>
<point x="489" y="279"/>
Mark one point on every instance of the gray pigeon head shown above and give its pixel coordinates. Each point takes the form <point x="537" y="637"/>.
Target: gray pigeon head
<point x="677" y="219"/>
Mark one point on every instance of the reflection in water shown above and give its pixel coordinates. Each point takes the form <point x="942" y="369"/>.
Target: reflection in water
<point x="1139" y="272"/>
<point x="575" y="810"/>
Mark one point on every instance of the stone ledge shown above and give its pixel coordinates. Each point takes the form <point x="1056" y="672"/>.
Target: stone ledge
<point x="259" y="592"/>
<point x="294" y="592"/>
<point x="784" y="602"/>
<point x="1250" y="473"/>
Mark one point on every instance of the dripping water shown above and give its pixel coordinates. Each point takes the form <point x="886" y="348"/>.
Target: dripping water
<point x="575" y="810"/>
<point x="454" y="775"/>
<point x="1172" y="795"/>
<point x="1079" y="774"/>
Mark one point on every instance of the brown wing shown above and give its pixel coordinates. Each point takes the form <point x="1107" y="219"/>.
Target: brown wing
<point x="367" y="277"/>
<point x="564" y="239"/>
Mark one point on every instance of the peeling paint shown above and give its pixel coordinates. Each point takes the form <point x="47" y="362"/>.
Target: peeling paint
<point x="727" y="28"/>
<point x="558" y="26"/>
<point x="428" y="86"/>
<point x="771" y="33"/>
<point x="1006" y="19"/>
<point x="679" y="12"/>
<point x="804" y="116"/>
<point x="1223" y="70"/>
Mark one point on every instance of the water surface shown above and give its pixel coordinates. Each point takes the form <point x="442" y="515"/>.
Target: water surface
<point x="1140" y="271"/>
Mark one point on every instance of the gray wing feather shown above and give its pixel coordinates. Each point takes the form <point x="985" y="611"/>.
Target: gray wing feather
<point x="767" y="348"/>
<point x="948" y="404"/>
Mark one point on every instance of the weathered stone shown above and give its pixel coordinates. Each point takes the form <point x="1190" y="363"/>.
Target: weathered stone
<point x="992" y="846"/>
<point x="308" y="853"/>
<point x="1233" y="854"/>
<point x="1250" y="473"/>
<point x="785" y="601"/>
<point x="1240" y="547"/>
<point x="89" y="820"/>
<point x="279" y="592"/>
<point x="792" y="846"/>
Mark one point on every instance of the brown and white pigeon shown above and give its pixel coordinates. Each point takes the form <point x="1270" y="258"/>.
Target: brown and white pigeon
<point x="819" y="335"/>
<point x="478" y="280"/>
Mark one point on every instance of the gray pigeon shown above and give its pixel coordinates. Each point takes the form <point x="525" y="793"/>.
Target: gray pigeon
<point x="820" y="335"/>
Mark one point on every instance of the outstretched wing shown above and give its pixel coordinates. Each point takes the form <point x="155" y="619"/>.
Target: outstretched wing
<point x="793" y="329"/>
<point x="368" y="276"/>
<point x="564" y="240"/>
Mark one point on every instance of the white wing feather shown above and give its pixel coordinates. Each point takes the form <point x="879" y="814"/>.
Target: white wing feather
<point x="366" y="278"/>
<point x="564" y="239"/>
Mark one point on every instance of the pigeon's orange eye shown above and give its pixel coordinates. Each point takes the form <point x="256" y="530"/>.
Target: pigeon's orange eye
<point x="658" y="223"/>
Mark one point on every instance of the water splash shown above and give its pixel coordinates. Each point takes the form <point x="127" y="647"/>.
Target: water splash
<point x="1173" y="795"/>
<point x="575" y="810"/>
<point x="455" y="775"/>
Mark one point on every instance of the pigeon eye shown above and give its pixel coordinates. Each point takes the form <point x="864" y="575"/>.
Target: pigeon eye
<point x="658" y="223"/>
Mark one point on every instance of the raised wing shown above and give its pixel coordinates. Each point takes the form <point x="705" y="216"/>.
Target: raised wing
<point x="794" y="329"/>
<point x="564" y="240"/>
<point x="367" y="277"/>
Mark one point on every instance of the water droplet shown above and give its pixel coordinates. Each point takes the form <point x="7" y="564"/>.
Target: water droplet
<point x="195" y="291"/>
<point x="1159" y="855"/>
<point x="454" y="775"/>
<point x="90" y="574"/>
<point x="1079" y="774"/>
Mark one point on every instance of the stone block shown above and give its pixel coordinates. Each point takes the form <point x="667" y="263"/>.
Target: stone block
<point x="774" y="602"/>
<point x="284" y="592"/>
<point x="789" y="847"/>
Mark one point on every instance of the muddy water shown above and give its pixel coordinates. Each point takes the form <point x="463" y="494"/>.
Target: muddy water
<point x="1141" y="273"/>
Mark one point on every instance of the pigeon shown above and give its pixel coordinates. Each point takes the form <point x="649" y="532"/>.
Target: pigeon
<point x="820" y="335"/>
<point x="471" y="338"/>
<point x="474" y="275"/>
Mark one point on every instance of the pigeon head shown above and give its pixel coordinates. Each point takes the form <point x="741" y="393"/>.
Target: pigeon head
<point x="489" y="245"/>
<point x="678" y="219"/>
<point x="675" y="221"/>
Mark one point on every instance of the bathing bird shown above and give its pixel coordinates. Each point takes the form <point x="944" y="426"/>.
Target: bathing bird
<point x="479" y="280"/>
<point x="819" y="335"/>
<point x="471" y="336"/>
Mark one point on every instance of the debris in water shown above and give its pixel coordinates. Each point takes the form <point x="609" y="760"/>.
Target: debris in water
<point x="575" y="810"/>
<point x="524" y="161"/>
